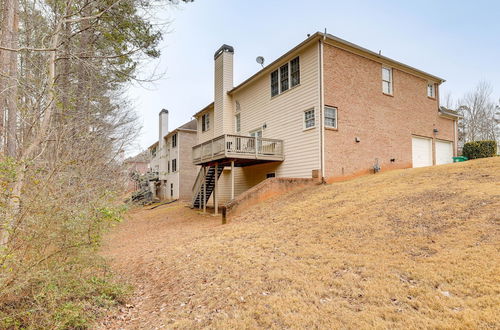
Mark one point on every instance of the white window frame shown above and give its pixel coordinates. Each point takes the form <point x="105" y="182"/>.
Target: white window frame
<point x="335" y="117"/>
<point x="431" y="87"/>
<point x="205" y="122"/>
<point x="237" y="123"/>
<point x="278" y="70"/>
<point x="174" y="162"/>
<point x="174" y="140"/>
<point x="305" y="119"/>
<point x="390" y="81"/>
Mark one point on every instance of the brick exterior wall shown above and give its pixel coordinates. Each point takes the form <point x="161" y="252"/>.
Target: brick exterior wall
<point x="384" y="124"/>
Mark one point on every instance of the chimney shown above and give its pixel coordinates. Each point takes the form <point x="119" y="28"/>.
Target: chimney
<point x="162" y="148"/>
<point x="163" y="130"/>
<point x="223" y="113"/>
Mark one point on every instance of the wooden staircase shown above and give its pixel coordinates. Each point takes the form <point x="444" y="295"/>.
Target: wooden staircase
<point x="205" y="180"/>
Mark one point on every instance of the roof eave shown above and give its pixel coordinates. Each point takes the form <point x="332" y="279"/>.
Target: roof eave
<point x="303" y="44"/>
<point x="211" y="105"/>
<point x="382" y="57"/>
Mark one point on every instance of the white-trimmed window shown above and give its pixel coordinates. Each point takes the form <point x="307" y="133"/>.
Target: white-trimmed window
<point x="174" y="140"/>
<point x="275" y="86"/>
<point x="309" y="120"/>
<point x="205" y="122"/>
<point x="431" y="90"/>
<point x="237" y="123"/>
<point x="295" y="72"/>
<point x="387" y="80"/>
<point x="174" y="165"/>
<point x="330" y="117"/>
<point x="286" y="77"/>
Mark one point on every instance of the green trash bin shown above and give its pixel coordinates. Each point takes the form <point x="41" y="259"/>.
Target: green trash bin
<point x="460" y="159"/>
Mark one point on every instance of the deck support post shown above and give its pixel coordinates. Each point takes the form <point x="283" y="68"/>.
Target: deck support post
<point x="216" y="189"/>
<point x="204" y="189"/>
<point x="232" y="179"/>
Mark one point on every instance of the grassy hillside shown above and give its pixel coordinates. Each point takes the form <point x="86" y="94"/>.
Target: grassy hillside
<point x="412" y="248"/>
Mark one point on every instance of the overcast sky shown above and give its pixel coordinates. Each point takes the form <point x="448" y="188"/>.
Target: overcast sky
<point x="456" y="40"/>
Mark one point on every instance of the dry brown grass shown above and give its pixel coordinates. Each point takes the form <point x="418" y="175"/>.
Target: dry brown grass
<point x="405" y="249"/>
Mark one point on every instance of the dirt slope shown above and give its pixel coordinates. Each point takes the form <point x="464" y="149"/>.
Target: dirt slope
<point x="413" y="248"/>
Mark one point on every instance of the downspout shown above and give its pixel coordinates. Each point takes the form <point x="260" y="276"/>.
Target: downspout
<point x="321" y="109"/>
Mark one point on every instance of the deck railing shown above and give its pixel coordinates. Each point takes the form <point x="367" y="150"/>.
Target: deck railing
<point x="238" y="146"/>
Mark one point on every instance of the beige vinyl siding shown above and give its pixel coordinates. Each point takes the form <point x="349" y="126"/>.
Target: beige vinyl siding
<point x="187" y="170"/>
<point x="209" y="134"/>
<point x="171" y="177"/>
<point x="284" y="117"/>
<point x="222" y="102"/>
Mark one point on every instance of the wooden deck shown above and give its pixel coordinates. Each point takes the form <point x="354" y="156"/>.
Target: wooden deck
<point x="243" y="150"/>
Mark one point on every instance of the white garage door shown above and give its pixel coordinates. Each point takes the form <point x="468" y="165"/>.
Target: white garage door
<point x="421" y="151"/>
<point x="444" y="152"/>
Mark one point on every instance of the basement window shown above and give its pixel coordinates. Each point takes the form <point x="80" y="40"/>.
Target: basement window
<point x="286" y="77"/>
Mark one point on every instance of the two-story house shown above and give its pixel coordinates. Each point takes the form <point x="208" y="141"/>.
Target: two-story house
<point x="171" y="159"/>
<point x="326" y="109"/>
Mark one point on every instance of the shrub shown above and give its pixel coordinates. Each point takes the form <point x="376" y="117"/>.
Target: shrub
<point x="480" y="149"/>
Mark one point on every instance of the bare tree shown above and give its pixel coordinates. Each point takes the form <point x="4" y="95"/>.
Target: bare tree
<point x="478" y="111"/>
<point x="8" y="76"/>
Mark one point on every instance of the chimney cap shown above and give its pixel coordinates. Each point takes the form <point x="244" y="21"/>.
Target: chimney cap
<point x="222" y="49"/>
<point x="163" y="111"/>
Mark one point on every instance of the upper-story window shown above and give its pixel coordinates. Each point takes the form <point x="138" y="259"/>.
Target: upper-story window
<point x="431" y="90"/>
<point x="286" y="77"/>
<point x="174" y="165"/>
<point x="153" y="152"/>
<point x="237" y="123"/>
<point x="295" y="71"/>
<point x="387" y="80"/>
<point x="205" y="122"/>
<point x="275" y="89"/>
<point x="174" y="140"/>
<point x="331" y="117"/>
<point x="309" y="120"/>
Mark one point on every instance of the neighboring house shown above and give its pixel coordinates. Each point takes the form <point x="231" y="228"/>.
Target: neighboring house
<point x="325" y="109"/>
<point x="171" y="160"/>
<point x="138" y="164"/>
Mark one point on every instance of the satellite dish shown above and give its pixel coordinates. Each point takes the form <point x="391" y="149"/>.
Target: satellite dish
<point x="260" y="60"/>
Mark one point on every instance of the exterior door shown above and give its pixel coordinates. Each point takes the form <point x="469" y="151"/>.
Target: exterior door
<point x="444" y="152"/>
<point x="257" y="134"/>
<point x="421" y="149"/>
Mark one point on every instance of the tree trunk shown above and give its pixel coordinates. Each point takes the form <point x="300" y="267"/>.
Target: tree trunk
<point x="6" y="35"/>
<point x="39" y="138"/>
<point x="12" y="96"/>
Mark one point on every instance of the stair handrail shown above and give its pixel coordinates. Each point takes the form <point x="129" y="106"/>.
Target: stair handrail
<point x="198" y="184"/>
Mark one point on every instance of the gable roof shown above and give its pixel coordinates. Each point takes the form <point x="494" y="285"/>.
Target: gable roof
<point x="211" y="105"/>
<point x="189" y="125"/>
<point x="142" y="157"/>
<point x="349" y="46"/>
